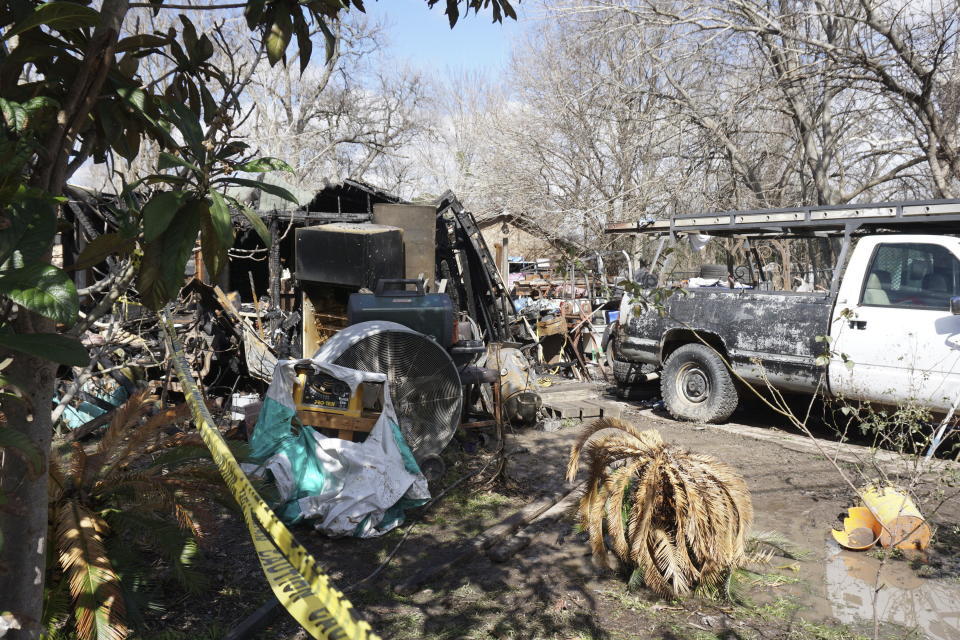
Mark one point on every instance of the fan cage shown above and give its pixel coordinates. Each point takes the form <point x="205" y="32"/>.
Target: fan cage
<point x="424" y="384"/>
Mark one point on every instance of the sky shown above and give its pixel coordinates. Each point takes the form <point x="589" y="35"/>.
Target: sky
<point x="423" y="36"/>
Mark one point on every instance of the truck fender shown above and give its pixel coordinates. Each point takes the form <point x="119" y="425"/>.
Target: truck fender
<point x="674" y="338"/>
<point x="607" y="335"/>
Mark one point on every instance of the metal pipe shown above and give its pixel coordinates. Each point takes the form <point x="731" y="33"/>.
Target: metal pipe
<point x="629" y="265"/>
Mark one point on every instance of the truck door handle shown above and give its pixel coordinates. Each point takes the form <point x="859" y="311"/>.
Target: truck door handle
<point x="858" y="324"/>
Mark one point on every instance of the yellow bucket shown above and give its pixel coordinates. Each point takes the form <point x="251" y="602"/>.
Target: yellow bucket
<point x="903" y="525"/>
<point x="860" y="530"/>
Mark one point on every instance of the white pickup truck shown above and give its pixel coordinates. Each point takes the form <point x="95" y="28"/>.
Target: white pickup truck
<point x="892" y="313"/>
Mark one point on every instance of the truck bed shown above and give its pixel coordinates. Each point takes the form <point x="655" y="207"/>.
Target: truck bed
<point x="774" y="329"/>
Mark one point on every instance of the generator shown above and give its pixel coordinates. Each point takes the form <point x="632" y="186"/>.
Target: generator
<point x="428" y="313"/>
<point x="326" y="402"/>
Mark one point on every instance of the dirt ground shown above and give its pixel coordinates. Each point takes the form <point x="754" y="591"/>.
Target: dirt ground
<point x="550" y="589"/>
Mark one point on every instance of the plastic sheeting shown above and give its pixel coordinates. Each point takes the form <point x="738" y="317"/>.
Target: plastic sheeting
<point x="347" y="488"/>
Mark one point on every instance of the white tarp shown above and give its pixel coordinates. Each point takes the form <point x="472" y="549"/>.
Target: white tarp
<point x="347" y="488"/>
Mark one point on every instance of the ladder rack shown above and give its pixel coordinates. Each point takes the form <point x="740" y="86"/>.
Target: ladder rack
<point x="929" y="216"/>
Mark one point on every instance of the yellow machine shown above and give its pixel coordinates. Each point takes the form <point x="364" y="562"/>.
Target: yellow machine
<point x="325" y="402"/>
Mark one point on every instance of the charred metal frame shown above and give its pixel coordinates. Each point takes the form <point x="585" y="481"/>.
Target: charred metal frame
<point x="473" y="279"/>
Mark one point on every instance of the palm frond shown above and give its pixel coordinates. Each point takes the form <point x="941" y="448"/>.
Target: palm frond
<point x="775" y="542"/>
<point x="681" y="519"/>
<point x="94" y="585"/>
<point x="127" y="415"/>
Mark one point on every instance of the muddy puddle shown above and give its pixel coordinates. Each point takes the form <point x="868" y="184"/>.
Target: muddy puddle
<point x="858" y="589"/>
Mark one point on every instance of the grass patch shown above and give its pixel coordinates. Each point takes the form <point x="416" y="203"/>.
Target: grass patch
<point x="470" y="512"/>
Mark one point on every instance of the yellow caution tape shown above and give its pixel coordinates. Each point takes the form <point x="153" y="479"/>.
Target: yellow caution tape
<point x="298" y="583"/>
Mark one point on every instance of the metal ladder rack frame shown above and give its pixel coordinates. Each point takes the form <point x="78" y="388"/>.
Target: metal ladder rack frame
<point x="926" y="216"/>
<point x="846" y="221"/>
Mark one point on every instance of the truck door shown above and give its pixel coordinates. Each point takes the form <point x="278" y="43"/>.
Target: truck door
<point x="899" y="332"/>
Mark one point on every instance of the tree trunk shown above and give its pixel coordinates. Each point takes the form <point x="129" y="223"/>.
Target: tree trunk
<point x="23" y="519"/>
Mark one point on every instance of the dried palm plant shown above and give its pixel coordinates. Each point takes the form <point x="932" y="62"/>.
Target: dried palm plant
<point x="139" y="495"/>
<point x="681" y="519"/>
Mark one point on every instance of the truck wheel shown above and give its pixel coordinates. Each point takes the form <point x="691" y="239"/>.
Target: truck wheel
<point x="697" y="386"/>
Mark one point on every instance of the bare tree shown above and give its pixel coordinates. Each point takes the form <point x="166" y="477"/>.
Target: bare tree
<point x="353" y="118"/>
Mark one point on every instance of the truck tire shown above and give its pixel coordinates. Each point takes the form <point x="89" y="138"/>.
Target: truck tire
<point x="697" y="386"/>
<point x="628" y="373"/>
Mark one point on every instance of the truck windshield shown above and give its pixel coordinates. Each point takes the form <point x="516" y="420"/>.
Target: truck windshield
<point x="921" y="276"/>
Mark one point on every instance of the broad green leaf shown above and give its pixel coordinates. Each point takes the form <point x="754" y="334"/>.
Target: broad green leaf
<point x="214" y="251"/>
<point x="101" y="247"/>
<point x="164" y="259"/>
<point x="329" y="39"/>
<point x="255" y="220"/>
<point x="136" y="98"/>
<point x="272" y="189"/>
<point x="304" y="43"/>
<point x="19" y="443"/>
<point x="49" y="346"/>
<point x="189" y="36"/>
<point x="164" y="179"/>
<point x="204" y="49"/>
<point x="210" y="107"/>
<point x="43" y="289"/>
<point x="15" y="117"/>
<point x="216" y="236"/>
<point x="160" y="210"/>
<point x="128" y="144"/>
<point x="170" y="161"/>
<point x="261" y="165"/>
<point x="30" y="52"/>
<point x="189" y="125"/>
<point x="220" y="217"/>
<point x="32" y="225"/>
<point x="57" y="15"/>
<point x="128" y="66"/>
<point x="39" y="103"/>
<point x="141" y="41"/>
<point x="279" y="36"/>
<point x="253" y="11"/>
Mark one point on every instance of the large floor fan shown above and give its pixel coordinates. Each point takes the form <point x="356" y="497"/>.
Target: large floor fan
<point x="424" y="383"/>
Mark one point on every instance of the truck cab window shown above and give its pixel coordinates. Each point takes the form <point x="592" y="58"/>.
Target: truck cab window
<point x="923" y="276"/>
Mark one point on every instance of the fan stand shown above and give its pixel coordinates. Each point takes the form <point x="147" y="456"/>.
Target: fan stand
<point x="471" y="377"/>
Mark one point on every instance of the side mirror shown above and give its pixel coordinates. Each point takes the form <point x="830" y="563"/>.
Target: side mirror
<point x="955" y="305"/>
